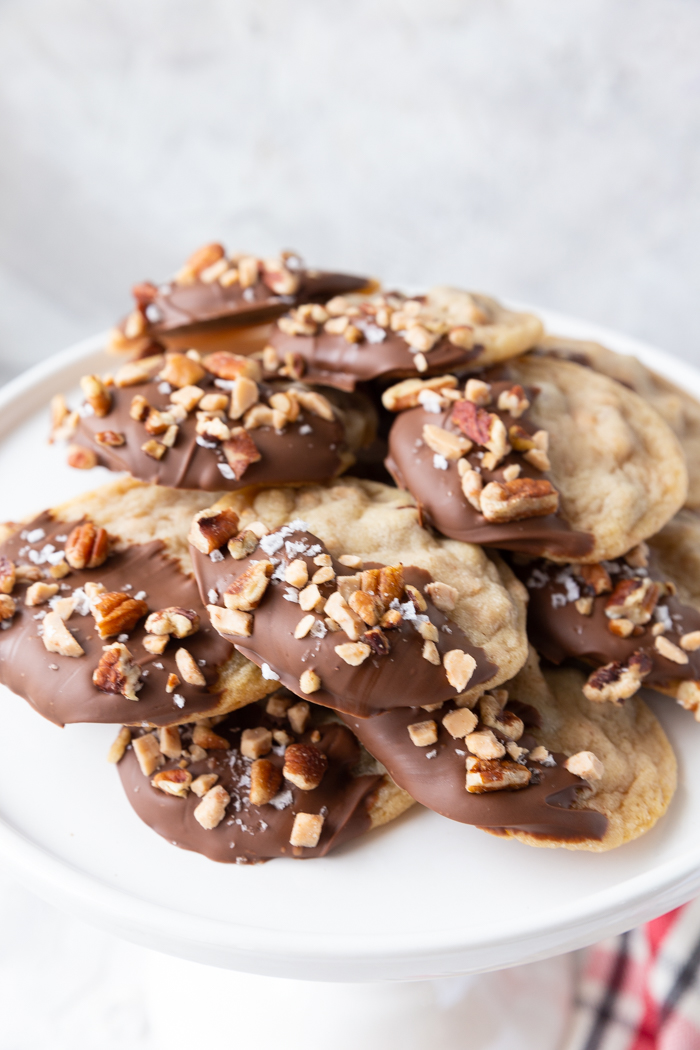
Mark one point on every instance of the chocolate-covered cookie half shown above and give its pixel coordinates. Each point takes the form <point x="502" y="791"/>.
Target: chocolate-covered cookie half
<point x="352" y="339"/>
<point x="540" y="456"/>
<point x="356" y="604"/>
<point x="220" y="301"/>
<point x="102" y="620"/>
<point x="270" y="780"/>
<point x="212" y="423"/>
<point x="635" y="619"/>
<point x="680" y="410"/>
<point x="534" y="761"/>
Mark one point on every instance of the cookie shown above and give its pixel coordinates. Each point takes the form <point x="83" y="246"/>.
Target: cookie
<point x="636" y="620"/>
<point x="220" y="302"/>
<point x="213" y="424"/>
<point x="354" y="339"/>
<point x="534" y="761"/>
<point x="542" y="456"/>
<point x="678" y="408"/>
<point x="102" y="620"/>
<point x="274" y="780"/>
<point x="355" y="604"/>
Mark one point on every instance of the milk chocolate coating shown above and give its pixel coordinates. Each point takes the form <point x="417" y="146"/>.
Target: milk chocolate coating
<point x="182" y="306"/>
<point x="439" y="492"/>
<point x="249" y="833"/>
<point x="542" y="809"/>
<point x="381" y="682"/>
<point x="288" y="457"/>
<point x="67" y="694"/>
<point x="332" y="360"/>
<point x="559" y="631"/>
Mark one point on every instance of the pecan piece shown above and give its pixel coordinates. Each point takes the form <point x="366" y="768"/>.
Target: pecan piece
<point x="173" y="620"/>
<point x="473" y="421"/>
<point x="119" y="745"/>
<point x="116" y="612"/>
<point x="265" y="781"/>
<point x="309" y="681"/>
<point x="256" y="742"/>
<point x="212" y="528"/>
<point x="299" y="715"/>
<point x="407" y="393"/>
<point x="518" y="499"/>
<point x="180" y="371"/>
<point x="423" y="733"/>
<point x="390" y="584"/>
<point x="304" y="766"/>
<point x="116" y="672"/>
<point x="211" y="810"/>
<point x="596" y="577"/>
<point x="364" y="605"/>
<point x="377" y="641"/>
<point x="442" y="595"/>
<point x="96" y="394"/>
<point x="230" y="621"/>
<point x="8" y="575"/>
<point x="87" y="546"/>
<point x="495" y="775"/>
<point x="246" y="591"/>
<point x="187" y="666"/>
<point x="240" y="451"/>
<point x="148" y="753"/>
<point x="306" y="830"/>
<point x="204" y="737"/>
<point x="57" y="638"/>
<point x="459" y="668"/>
<point x="615" y="681"/>
<point x="138" y="371"/>
<point x="445" y="442"/>
<point x="8" y="607"/>
<point x="633" y="599"/>
<point x="81" y="458"/>
<point x="173" y="782"/>
<point x="243" y="545"/>
<point x="230" y="366"/>
<point x="484" y="744"/>
<point x="586" y="765"/>
<point x="109" y="438"/>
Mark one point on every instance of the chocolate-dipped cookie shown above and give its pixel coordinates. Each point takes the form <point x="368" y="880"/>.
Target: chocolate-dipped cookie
<point x="223" y="302"/>
<point x="352" y="339"/>
<point x="270" y="780"/>
<point x="102" y="620"/>
<point x="534" y="761"/>
<point x="541" y="456"/>
<point x="356" y="604"/>
<point x="212" y="423"/>
<point x="680" y="410"/>
<point x="635" y="619"/>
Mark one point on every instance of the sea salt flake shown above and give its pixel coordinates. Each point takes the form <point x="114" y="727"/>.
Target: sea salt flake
<point x="290" y="595"/>
<point x="281" y="801"/>
<point x="216" y="556"/>
<point x="269" y="674"/>
<point x="662" y="615"/>
<point x="178" y="700"/>
<point x="439" y="462"/>
<point x="431" y="754"/>
<point x="164" y="388"/>
<point x="122" y="637"/>
<point x="35" y="535"/>
<point x="212" y="595"/>
<point x="305" y="429"/>
<point x="226" y="471"/>
<point x="202" y="441"/>
<point x="558" y="601"/>
<point x="140" y="595"/>
<point x="319" y="629"/>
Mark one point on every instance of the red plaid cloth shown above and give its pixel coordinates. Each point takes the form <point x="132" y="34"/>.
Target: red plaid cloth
<point x="641" y="991"/>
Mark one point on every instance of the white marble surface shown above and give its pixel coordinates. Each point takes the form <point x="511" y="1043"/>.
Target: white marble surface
<point x="541" y="150"/>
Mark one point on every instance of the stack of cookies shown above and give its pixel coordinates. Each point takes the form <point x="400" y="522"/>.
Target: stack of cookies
<point x="365" y="549"/>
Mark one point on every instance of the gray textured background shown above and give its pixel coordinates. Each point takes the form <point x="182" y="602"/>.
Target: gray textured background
<point x="543" y="150"/>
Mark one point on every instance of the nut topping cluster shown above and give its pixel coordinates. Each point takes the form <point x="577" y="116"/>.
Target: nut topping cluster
<point x="495" y="761"/>
<point x="478" y="440"/>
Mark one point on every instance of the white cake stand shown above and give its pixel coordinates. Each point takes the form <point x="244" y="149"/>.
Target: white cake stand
<point x="421" y="898"/>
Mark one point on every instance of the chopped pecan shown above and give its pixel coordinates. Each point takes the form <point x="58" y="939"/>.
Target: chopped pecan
<point x="206" y="738"/>
<point x="633" y="599"/>
<point x="423" y="734"/>
<point x="140" y="371"/>
<point x="87" y="546"/>
<point x="148" y="753"/>
<point x="96" y="394"/>
<point x="472" y="487"/>
<point x="212" y="528"/>
<point x="154" y="449"/>
<point x="202" y="259"/>
<point x="390" y="584"/>
<point x="596" y="577"/>
<point x="240" y="451"/>
<point x="519" y="499"/>
<point x="495" y="775"/>
<point x="513" y="401"/>
<point x="315" y="403"/>
<point x="520" y="439"/>
<point x="478" y="391"/>
<point x="169" y="741"/>
<point x="230" y="621"/>
<point x="265" y="781"/>
<point x="353" y="653"/>
<point x="586" y="765"/>
<point x="473" y="421"/>
<point x="621" y="627"/>
<point x="306" y="830"/>
<point x="187" y="666"/>
<point x="117" y="672"/>
<point x="139" y="408"/>
<point x="8" y="607"/>
<point x="459" y="668"/>
<point x="309" y="681"/>
<point x="81" y="458"/>
<point x="638" y="557"/>
<point x="173" y="782"/>
<point x="173" y="620"/>
<point x="244" y="395"/>
<point x="243" y="544"/>
<point x="615" y="681"/>
<point x="670" y="651"/>
<point x="445" y="442"/>
<point x="278" y="705"/>
<point x="116" y="612"/>
<point x="8" y="575"/>
<point x="407" y="393"/>
<point x="39" y="593"/>
<point x="109" y="438"/>
<point x="339" y="610"/>
<point x="484" y="744"/>
<point x="28" y="573"/>
<point x="442" y="595"/>
<point x="304" y="766"/>
<point x="377" y="641"/>
<point x="187" y="396"/>
<point x="180" y="371"/>
<point x="172" y="683"/>
<point x="690" y="641"/>
<point x="363" y="604"/>
<point x="119" y="745"/>
<point x="230" y="366"/>
<point x="296" y="574"/>
<point x="247" y="590"/>
<point x="212" y="809"/>
<point x="391" y="619"/>
<point x="460" y="722"/>
<point x="57" y="638"/>
<point x="256" y="742"/>
<point x="416" y="598"/>
<point x="211" y="426"/>
<point x="155" y="643"/>
<point x="201" y="784"/>
<point x="299" y="715"/>
<point x="430" y="652"/>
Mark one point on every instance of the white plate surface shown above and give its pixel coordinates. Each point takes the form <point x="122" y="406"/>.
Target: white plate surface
<point x="422" y="897"/>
